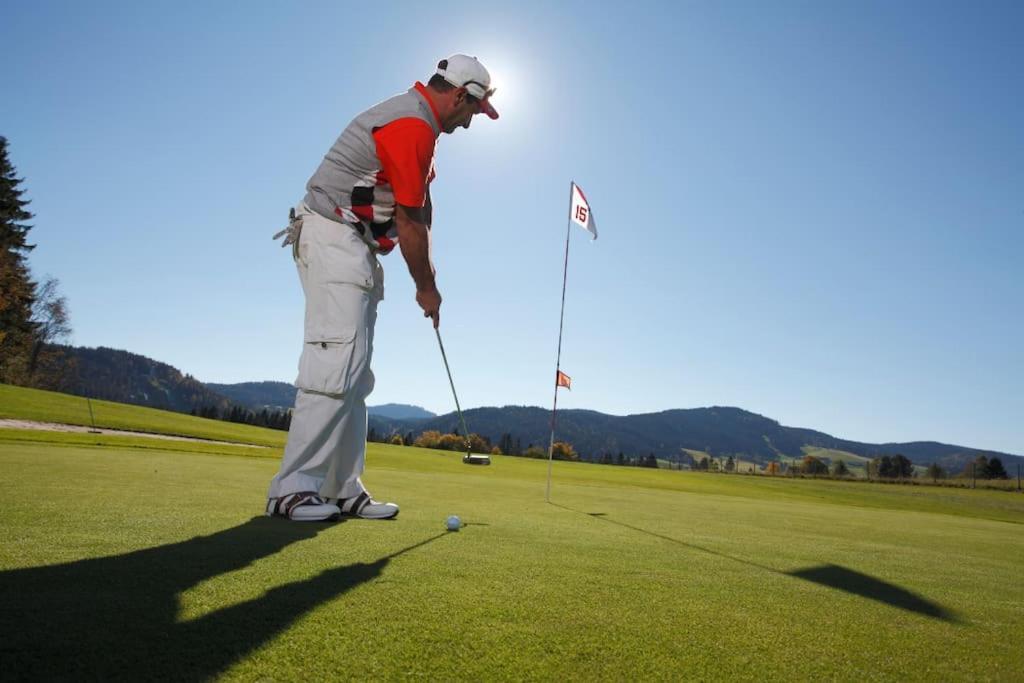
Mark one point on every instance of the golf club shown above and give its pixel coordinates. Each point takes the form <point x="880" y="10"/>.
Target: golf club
<point x="470" y="458"/>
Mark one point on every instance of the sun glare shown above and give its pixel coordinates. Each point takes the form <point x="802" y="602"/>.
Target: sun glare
<point x="504" y="80"/>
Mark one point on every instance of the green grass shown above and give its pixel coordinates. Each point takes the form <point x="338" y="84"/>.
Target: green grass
<point x="830" y="455"/>
<point x="49" y="406"/>
<point x="124" y="562"/>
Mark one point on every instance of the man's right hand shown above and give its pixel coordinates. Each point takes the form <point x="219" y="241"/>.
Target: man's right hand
<point x="430" y="301"/>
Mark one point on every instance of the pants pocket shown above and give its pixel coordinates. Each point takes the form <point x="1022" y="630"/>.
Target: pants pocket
<point x="329" y="367"/>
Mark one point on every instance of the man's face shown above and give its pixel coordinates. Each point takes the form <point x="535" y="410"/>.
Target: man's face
<point x="466" y="107"/>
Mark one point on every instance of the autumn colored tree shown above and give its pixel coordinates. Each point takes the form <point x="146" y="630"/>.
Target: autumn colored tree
<point x="563" y="450"/>
<point x="428" y="439"/>
<point x="812" y="465"/>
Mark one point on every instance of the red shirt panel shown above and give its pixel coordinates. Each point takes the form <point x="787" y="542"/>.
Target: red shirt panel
<point x="406" y="151"/>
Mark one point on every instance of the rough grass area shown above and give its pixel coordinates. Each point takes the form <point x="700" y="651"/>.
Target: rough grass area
<point x="128" y="563"/>
<point x="49" y="406"/>
<point x="141" y="442"/>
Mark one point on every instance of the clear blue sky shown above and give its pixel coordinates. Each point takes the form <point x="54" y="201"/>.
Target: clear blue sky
<point x="810" y="210"/>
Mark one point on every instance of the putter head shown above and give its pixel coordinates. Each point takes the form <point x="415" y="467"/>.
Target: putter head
<point x="476" y="459"/>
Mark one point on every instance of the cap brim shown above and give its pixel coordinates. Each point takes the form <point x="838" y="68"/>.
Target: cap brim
<point x="488" y="108"/>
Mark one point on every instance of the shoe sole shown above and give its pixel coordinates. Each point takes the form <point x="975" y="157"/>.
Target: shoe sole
<point x="331" y="518"/>
<point x="369" y="517"/>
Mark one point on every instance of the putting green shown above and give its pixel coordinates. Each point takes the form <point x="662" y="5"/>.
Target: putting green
<point x="124" y="562"/>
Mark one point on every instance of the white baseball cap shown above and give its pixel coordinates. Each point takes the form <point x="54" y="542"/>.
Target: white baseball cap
<point x="467" y="72"/>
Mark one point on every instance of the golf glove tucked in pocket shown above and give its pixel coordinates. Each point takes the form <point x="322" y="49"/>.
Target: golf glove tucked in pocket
<point x="291" y="233"/>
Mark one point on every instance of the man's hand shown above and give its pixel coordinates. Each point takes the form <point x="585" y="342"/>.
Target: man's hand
<point x="430" y="302"/>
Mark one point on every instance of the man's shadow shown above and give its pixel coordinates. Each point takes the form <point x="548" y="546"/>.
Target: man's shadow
<point x="830" y="575"/>
<point x="116" y="617"/>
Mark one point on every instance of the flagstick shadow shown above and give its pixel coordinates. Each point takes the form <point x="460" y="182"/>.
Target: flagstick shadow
<point x="828" y="575"/>
<point x="116" y="618"/>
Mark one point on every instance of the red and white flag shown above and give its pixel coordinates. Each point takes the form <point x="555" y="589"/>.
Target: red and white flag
<point x="563" y="380"/>
<point x="579" y="211"/>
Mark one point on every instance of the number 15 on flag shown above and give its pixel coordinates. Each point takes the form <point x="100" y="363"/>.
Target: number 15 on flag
<point x="579" y="211"/>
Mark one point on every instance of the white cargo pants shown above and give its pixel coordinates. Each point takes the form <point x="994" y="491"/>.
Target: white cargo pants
<point x="343" y="282"/>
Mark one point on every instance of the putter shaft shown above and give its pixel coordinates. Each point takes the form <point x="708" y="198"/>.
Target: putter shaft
<point x="465" y="432"/>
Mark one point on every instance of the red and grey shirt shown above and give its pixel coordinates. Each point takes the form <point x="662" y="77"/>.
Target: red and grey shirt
<point x="385" y="156"/>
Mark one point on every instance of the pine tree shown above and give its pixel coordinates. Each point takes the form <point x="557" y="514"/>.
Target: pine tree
<point x="902" y="467"/>
<point x="996" y="469"/>
<point x="839" y="469"/>
<point x="17" y="291"/>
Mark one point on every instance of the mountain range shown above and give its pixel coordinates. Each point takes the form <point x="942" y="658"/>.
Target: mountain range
<point x="718" y="431"/>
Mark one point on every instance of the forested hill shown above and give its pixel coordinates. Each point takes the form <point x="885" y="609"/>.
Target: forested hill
<point x="116" y="375"/>
<point x="718" y="431"/>
<point x="281" y="395"/>
<point x="258" y="394"/>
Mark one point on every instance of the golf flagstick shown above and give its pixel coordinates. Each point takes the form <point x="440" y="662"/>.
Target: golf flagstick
<point x="558" y="361"/>
<point x="580" y="213"/>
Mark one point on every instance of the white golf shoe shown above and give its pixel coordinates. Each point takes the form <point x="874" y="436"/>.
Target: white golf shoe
<point x="365" y="507"/>
<point x="305" y="506"/>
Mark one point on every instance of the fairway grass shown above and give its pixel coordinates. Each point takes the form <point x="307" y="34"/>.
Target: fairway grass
<point x="128" y="562"/>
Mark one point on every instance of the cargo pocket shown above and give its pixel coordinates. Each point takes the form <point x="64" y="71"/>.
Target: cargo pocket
<point x="328" y="367"/>
<point x="336" y="352"/>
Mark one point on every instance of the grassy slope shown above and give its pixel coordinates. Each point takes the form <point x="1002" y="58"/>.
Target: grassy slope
<point x="48" y="406"/>
<point x="856" y="463"/>
<point x="631" y="574"/>
<point x="830" y="455"/>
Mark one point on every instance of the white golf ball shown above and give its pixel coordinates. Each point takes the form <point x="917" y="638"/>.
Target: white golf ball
<point x="454" y="523"/>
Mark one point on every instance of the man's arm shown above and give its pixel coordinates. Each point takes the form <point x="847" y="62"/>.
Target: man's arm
<point x="414" y="239"/>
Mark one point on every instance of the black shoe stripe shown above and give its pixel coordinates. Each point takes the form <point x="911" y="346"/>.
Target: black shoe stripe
<point x="359" y="503"/>
<point x="301" y="498"/>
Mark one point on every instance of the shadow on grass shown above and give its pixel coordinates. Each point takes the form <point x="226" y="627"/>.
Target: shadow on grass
<point x="115" y="618"/>
<point x="869" y="587"/>
<point x="830" y="575"/>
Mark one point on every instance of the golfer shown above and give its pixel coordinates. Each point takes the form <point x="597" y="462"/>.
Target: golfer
<point x="370" y="194"/>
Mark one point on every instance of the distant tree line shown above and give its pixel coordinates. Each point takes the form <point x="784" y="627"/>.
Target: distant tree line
<point x="272" y="419"/>
<point x="895" y="468"/>
<point x="623" y="460"/>
<point x="890" y="467"/>
<point x="507" y="445"/>
<point x="984" y="468"/>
